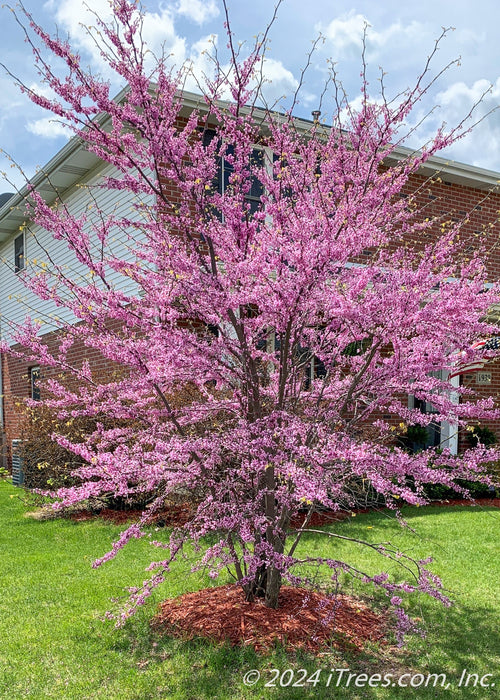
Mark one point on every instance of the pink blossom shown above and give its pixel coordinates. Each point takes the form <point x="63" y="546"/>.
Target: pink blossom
<point x="260" y="358"/>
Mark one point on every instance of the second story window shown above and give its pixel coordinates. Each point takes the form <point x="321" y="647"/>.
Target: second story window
<point x="225" y="169"/>
<point x="19" y="253"/>
<point x="257" y="189"/>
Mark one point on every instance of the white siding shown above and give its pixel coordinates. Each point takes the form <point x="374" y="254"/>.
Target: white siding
<point x="16" y="301"/>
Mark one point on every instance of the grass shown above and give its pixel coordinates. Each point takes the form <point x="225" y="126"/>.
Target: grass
<point x="54" y="643"/>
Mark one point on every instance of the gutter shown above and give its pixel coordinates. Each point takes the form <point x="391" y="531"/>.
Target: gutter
<point x="449" y="170"/>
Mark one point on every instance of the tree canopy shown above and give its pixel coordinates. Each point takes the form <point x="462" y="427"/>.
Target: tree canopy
<point x="271" y="299"/>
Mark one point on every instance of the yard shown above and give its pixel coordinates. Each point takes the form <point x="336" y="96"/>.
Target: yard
<point x="55" y="643"/>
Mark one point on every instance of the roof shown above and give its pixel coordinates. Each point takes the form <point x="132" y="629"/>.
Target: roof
<point x="5" y="197"/>
<point x="73" y="163"/>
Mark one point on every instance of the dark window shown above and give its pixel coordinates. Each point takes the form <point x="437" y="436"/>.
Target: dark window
<point x="314" y="369"/>
<point x="19" y="260"/>
<point x="225" y="169"/>
<point x="319" y="369"/>
<point x="34" y="374"/>
<point x="286" y="192"/>
<point x="433" y="428"/>
<point x="253" y="197"/>
<point x="213" y="329"/>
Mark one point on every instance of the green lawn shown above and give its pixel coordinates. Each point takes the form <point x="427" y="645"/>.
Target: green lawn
<point x="54" y="643"/>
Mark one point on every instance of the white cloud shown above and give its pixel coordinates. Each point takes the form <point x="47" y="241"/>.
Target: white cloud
<point x="48" y="128"/>
<point x="345" y="31"/>
<point x="159" y="34"/>
<point x="275" y="80"/>
<point x="401" y="35"/>
<point x="460" y="95"/>
<point x="278" y="81"/>
<point x="400" y="48"/>
<point x="43" y="90"/>
<point x="482" y="145"/>
<point x="198" y="10"/>
<point x="76" y="18"/>
<point x="200" y="64"/>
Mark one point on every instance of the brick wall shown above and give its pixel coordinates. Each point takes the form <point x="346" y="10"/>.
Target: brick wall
<point x="17" y="384"/>
<point x="436" y="198"/>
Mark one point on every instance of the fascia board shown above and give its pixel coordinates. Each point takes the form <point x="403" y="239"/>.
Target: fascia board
<point x="74" y="149"/>
<point x="449" y="170"/>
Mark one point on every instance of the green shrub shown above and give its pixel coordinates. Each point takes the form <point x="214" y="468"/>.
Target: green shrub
<point x="437" y="492"/>
<point x="48" y="466"/>
<point x="484" y="435"/>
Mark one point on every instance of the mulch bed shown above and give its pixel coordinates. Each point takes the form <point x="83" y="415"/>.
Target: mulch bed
<point x="180" y="514"/>
<point x="326" y="517"/>
<point x="483" y="502"/>
<point x="170" y="516"/>
<point x="303" y="620"/>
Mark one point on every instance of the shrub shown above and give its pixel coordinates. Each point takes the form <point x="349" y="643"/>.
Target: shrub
<point x="46" y="464"/>
<point x="484" y="435"/>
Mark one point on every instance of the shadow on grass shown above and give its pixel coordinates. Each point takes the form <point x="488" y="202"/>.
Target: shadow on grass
<point x="461" y="638"/>
<point x="464" y="637"/>
<point x="467" y="638"/>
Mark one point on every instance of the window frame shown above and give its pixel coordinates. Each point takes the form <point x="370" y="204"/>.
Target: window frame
<point x="441" y="434"/>
<point x="34" y="378"/>
<point x="224" y="170"/>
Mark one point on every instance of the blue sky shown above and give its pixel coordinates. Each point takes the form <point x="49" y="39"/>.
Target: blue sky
<point x="401" y="35"/>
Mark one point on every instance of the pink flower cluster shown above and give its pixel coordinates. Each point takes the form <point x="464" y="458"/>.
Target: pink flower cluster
<point x="261" y="348"/>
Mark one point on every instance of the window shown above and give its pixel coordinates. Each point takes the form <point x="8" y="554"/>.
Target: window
<point x="433" y="429"/>
<point x="34" y="375"/>
<point x="225" y="169"/>
<point x="257" y="189"/>
<point x="309" y="365"/>
<point x="19" y="258"/>
<point x="438" y="433"/>
<point x="314" y="369"/>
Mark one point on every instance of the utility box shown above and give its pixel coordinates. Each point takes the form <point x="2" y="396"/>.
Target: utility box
<point x="17" y="464"/>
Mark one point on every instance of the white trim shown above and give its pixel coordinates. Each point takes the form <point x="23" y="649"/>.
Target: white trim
<point x="449" y="431"/>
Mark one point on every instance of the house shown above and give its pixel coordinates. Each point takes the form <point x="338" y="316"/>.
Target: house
<point x="441" y="188"/>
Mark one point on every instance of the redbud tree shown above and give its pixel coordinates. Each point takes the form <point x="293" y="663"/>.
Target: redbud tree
<point x="261" y="349"/>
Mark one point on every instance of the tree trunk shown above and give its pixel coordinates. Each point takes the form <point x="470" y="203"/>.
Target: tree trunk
<point x="266" y="584"/>
<point x="273" y="586"/>
<point x="267" y="581"/>
<point x="257" y="588"/>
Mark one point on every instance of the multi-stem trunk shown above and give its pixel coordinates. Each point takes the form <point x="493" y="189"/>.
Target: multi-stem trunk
<point x="266" y="583"/>
<point x="267" y="580"/>
<point x="273" y="574"/>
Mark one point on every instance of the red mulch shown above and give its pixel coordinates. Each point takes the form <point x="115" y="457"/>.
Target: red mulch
<point x="170" y="516"/>
<point x="303" y="620"/>
<point x="484" y="502"/>
<point x="326" y="517"/>
<point x="180" y="514"/>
